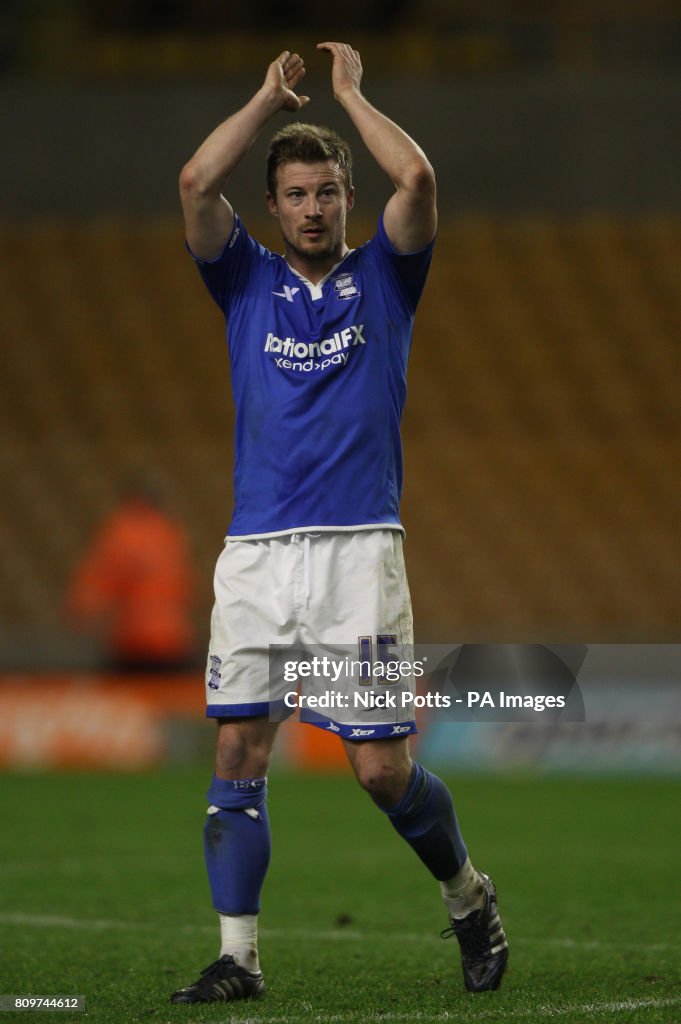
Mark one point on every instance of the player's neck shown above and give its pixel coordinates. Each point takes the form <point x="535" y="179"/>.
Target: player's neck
<point x="314" y="271"/>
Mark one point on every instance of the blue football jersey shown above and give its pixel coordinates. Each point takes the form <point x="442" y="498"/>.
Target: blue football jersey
<point x="319" y="383"/>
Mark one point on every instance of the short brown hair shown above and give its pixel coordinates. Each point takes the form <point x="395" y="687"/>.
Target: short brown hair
<point x="307" y="143"/>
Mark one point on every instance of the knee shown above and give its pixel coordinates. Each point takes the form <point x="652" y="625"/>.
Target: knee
<point x="239" y="755"/>
<point x="384" y="782"/>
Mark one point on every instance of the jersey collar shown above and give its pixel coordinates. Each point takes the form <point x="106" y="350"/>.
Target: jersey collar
<point x="316" y="289"/>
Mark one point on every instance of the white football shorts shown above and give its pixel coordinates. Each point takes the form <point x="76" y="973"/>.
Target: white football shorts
<point x="319" y="623"/>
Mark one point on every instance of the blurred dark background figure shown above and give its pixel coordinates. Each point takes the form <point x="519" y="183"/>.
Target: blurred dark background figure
<point x="135" y="587"/>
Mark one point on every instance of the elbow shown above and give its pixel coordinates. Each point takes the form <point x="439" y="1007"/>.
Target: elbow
<point x="192" y="182"/>
<point x="188" y="179"/>
<point x="419" y="180"/>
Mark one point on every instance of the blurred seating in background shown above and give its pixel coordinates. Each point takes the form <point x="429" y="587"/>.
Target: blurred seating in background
<point x="542" y="434"/>
<point x="200" y="37"/>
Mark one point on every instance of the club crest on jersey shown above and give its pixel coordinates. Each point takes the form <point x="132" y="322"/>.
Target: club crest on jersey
<point x="345" y="287"/>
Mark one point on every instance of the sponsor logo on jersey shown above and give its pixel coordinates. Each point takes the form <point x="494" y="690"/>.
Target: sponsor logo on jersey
<point x="214" y="678"/>
<point x="237" y="232"/>
<point x="399" y="729"/>
<point x="345" y="287"/>
<point x="287" y="293"/>
<point x="332" y="727"/>
<point x="315" y="355"/>
<point x="361" y="732"/>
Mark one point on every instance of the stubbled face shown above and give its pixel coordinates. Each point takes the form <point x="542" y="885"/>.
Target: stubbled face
<point x="311" y="205"/>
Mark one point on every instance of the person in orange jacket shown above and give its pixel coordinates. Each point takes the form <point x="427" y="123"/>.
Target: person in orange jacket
<point x="136" y="584"/>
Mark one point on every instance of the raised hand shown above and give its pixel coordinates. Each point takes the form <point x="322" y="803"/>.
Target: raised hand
<point x="283" y="75"/>
<point x="346" y="71"/>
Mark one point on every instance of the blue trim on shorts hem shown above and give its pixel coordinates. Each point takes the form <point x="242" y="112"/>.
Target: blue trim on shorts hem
<point x="250" y="710"/>
<point x="361" y="730"/>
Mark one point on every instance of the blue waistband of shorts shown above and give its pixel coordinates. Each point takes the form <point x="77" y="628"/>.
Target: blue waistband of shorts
<point x="359" y="731"/>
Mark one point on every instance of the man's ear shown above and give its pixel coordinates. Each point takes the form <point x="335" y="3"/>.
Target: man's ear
<point x="350" y="197"/>
<point x="271" y="204"/>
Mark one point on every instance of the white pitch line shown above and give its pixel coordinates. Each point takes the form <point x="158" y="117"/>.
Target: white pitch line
<point x="57" y="921"/>
<point x="462" y="1013"/>
<point x="107" y="924"/>
<point x="325" y="934"/>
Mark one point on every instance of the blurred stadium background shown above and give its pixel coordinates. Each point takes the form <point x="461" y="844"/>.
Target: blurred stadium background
<point x="543" y="431"/>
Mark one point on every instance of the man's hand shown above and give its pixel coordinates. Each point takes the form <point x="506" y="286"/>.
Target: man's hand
<point x="346" y="71"/>
<point x="410" y="216"/>
<point x="208" y="216"/>
<point x="283" y="75"/>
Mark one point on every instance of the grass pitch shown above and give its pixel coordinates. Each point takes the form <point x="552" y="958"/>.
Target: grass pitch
<point x="103" y="895"/>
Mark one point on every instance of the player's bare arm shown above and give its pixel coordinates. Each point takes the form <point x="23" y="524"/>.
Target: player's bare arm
<point x="410" y="216"/>
<point x="208" y="216"/>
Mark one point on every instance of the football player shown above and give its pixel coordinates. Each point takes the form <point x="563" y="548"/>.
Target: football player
<point x="318" y="340"/>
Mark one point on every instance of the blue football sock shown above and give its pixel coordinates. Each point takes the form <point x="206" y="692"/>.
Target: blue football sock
<point x="237" y="844"/>
<point x="426" y="818"/>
